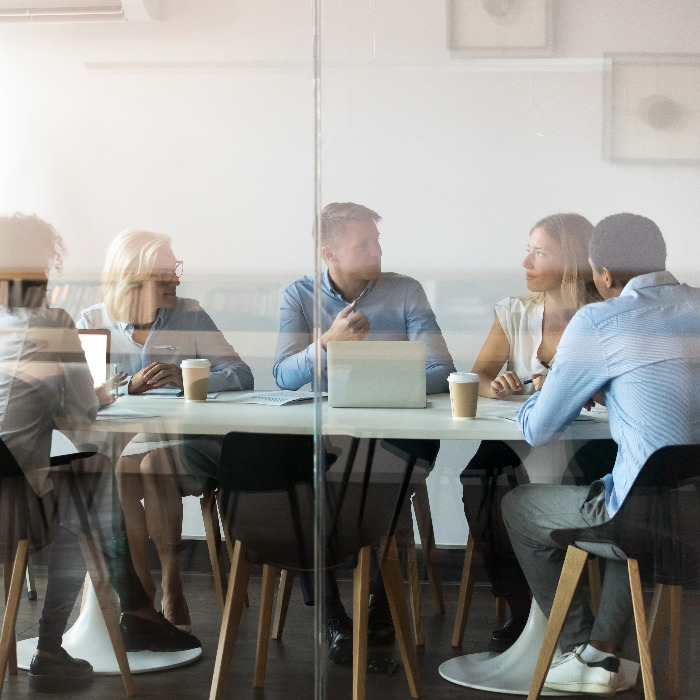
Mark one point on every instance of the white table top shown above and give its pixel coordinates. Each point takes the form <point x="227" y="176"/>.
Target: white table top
<point x="227" y="412"/>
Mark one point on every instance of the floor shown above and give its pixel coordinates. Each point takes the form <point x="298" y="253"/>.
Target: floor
<point x="290" y="672"/>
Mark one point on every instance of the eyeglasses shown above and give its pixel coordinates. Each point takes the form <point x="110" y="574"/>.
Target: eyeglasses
<point x="168" y="274"/>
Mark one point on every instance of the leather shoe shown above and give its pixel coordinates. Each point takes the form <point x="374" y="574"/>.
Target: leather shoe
<point x="140" y="634"/>
<point x="380" y="626"/>
<point x="505" y="637"/>
<point x="58" y="673"/>
<point x="339" y="636"/>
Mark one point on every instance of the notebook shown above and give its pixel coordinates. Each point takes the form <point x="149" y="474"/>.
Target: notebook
<point x="376" y="374"/>
<point x="95" y="344"/>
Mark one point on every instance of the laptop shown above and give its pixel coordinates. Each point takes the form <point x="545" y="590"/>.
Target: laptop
<point x="95" y="342"/>
<point x="376" y="374"/>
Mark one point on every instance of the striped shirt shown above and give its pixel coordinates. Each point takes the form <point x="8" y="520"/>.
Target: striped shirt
<point x="642" y="351"/>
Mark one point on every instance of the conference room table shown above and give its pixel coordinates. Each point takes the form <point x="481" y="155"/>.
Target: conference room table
<point x="230" y="411"/>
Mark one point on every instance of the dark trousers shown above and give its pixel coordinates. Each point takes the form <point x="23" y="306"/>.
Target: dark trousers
<point x="86" y="503"/>
<point x="482" y="495"/>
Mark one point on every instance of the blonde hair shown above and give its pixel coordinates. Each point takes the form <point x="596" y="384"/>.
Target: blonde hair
<point x="130" y="262"/>
<point x="573" y="233"/>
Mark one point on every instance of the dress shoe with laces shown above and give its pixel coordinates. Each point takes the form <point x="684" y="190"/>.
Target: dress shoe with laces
<point x="140" y="634"/>
<point x="58" y="673"/>
<point x="380" y="626"/>
<point x="505" y="637"/>
<point x="339" y="636"/>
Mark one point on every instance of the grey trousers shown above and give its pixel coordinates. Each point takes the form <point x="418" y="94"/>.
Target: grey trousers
<point x="530" y="513"/>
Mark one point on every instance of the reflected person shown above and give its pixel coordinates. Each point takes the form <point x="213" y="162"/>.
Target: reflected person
<point x="153" y="330"/>
<point x="45" y="384"/>
<point x="359" y="303"/>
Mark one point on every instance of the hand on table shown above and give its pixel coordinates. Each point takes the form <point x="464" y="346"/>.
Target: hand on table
<point x="506" y="384"/>
<point x="105" y="391"/>
<point x="155" y="376"/>
<point x="347" y="326"/>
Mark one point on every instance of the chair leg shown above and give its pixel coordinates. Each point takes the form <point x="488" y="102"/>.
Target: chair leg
<point x="14" y="579"/>
<point x="283" y="595"/>
<point x="641" y="627"/>
<point x="97" y="569"/>
<point x="210" y="517"/>
<point x="500" y="607"/>
<point x="235" y="597"/>
<point x="594" y="583"/>
<point x="360" y="610"/>
<point x="414" y="592"/>
<point x="675" y="641"/>
<point x="424" y="520"/>
<point x="230" y="545"/>
<point x="466" y="590"/>
<point x="267" y="593"/>
<point x="568" y="580"/>
<point x="393" y="582"/>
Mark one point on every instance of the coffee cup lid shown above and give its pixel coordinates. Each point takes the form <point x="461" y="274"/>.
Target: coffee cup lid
<point x="463" y="377"/>
<point x="198" y="363"/>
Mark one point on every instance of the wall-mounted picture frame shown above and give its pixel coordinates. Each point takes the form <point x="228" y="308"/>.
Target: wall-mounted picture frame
<point x="652" y="109"/>
<point x="500" y="28"/>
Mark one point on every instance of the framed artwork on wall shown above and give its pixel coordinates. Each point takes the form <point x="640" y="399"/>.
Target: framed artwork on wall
<point x="652" y="108"/>
<point x="493" y="28"/>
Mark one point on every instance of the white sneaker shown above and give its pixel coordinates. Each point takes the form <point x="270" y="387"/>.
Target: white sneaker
<point x="568" y="672"/>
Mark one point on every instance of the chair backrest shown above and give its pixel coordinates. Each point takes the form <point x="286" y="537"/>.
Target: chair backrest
<point x="23" y="514"/>
<point x="267" y="494"/>
<point x="659" y="518"/>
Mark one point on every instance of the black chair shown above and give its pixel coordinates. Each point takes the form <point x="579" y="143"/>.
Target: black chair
<point x="28" y="523"/>
<point x="657" y="522"/>
<point x="266" y="493"/>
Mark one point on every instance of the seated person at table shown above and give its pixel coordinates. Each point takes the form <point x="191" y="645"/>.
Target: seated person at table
<point x="44" y="384"/>
<point x="639" y="349"/>
<point x="524" y="336"/>
<point x="152" y="332"/>
<point x="360" y="302"/>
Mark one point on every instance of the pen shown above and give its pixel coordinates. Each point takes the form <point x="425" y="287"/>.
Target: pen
<point x="115" y="388"/>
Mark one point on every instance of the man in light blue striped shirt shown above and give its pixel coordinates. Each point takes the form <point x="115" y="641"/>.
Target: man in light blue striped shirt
<point x="640" y="349"/>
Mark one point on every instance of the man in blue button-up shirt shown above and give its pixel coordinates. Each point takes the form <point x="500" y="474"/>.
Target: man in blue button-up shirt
<point x="640" y="349"/>
<point x="359" y="302"/>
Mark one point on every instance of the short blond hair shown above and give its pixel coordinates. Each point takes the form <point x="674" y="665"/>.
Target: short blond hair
<point x="130" y="262"/>
<point x="335" y="215"/>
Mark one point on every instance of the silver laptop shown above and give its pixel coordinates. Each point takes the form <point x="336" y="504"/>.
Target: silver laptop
<point x="95" y="342"/>
<point x="376" y="374"/>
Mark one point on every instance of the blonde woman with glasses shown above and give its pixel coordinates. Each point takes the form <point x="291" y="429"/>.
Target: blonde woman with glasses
<point x="153" y="330"/>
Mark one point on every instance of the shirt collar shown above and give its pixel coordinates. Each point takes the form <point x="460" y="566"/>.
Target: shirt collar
<point x="651" y="279"/>
<point x="160" y="319"/>
<point x="330" y="289"/>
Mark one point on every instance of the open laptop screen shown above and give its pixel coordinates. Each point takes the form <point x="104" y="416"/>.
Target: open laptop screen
<point x="95" y="344"/>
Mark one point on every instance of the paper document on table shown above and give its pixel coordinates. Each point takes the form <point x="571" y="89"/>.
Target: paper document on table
<point x="176" y="394"/>
<point x="511" y="414"/>
<point x="280" y="398"/>
<point x="123" y="414"/>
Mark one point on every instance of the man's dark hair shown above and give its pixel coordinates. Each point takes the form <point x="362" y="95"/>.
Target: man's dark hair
<point x="628" y="245"/>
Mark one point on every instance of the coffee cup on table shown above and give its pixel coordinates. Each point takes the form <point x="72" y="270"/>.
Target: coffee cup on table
<point x="464" y="392"/>
<point x="195" y="379"/>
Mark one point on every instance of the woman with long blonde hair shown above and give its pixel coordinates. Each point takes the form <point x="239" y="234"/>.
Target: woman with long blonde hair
<point x="513" y="361"/>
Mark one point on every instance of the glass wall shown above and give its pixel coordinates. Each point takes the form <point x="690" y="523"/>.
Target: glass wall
<point x="231" y="126"/>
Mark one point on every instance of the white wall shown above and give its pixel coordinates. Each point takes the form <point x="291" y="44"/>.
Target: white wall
<point x="202" y="126"/>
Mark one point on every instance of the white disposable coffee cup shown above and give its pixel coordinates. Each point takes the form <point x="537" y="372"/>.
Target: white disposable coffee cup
<point x="195" y="379"/>
<point x="464" y="392"/>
